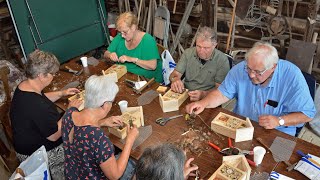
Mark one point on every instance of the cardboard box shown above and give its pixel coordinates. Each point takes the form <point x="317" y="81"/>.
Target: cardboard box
<point x="115" y="72"/>
<point x="233" y="127"/>
<point x="79" y="96"/>
<point x="171" y="101"/>
<point x="132" y="113"/>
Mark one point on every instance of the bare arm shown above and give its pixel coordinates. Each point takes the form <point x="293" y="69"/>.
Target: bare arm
<point x="56" y="135"/>
<point x="113" y="168"/>
<point x="55" y="95"/>
<point x="146" y="64"/>
<point x="271" y="122"/>
<point x="212" y="100"/>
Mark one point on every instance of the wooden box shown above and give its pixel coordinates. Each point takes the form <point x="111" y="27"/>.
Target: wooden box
<point x="79" y="96"/>
<point x="132" y="113"/>
<point x="171" y="101"/>
<point x="116" y="71"/>
<point x="228" y="172"/>
<point x="233" y="127"/>
<point x="240" y="162"/>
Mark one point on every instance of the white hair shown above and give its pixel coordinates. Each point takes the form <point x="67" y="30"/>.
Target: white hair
<point x="99" y="89"/>
<point x="270" y="53"/>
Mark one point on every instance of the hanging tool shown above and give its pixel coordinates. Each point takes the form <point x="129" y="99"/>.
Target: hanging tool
<point x="162" y="121"/>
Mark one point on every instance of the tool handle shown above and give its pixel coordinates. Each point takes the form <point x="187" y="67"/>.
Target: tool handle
<point x="251" y="162"/>
<point x="263" y="144"/>
<point x="214" y="146"/>
<point x="169" y="118"/>
<point x="302" y="154"/>
<point x="230" y="142"/>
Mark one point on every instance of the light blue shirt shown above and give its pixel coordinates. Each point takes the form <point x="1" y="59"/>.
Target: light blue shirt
<point x="288" y="87"/>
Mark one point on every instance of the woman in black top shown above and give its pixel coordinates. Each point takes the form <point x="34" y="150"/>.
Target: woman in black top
<point x="34" y="117"/>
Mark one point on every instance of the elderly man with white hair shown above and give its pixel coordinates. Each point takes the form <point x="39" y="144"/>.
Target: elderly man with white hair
<point x="89" y="154"/>
<point x="270" y="91"/>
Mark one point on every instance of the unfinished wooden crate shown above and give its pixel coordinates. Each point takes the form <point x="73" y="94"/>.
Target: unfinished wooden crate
<point x="233" y="127"/>
<point x="171" y="101"/>
<point x="228" y="172"/>
<point x="240" y="162"/>
<point x="115" y="72"/>
<point x="80" y="97"/>
<point x="132" y="113"/>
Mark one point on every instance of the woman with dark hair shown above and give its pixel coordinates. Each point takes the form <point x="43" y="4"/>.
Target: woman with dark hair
<point x="34" y="117"/>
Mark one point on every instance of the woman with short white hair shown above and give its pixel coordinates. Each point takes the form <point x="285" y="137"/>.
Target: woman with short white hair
<point x="89" y="154"/>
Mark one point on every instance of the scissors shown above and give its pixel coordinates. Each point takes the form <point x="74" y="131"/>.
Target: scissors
<point x="162" y="121"/>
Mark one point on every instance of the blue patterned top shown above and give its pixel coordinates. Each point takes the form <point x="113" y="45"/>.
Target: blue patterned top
<point x="90" y="147"/>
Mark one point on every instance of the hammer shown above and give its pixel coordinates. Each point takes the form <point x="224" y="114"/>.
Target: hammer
<point x="290" y="166"/>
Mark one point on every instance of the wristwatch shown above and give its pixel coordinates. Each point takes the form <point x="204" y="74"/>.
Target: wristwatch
<point x="281" y="121"/>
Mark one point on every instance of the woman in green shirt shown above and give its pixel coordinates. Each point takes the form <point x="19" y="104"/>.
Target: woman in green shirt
<point x="137" y="50"/>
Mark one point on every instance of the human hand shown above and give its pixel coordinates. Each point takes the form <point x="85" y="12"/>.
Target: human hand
<point x="132" y="133"/>
<point x="268" y="121"/>
<point x="69" y="91"/>
<point x="187" y="170"/>
<point x="75" y="103"/>
<point x="125" y="58"/>
<point x="177" y="86"/>
<point x="195" y="107"/>
<point x="113" y="121"/>
<point x="113" y="57"/>
<point x="195" y="95"/>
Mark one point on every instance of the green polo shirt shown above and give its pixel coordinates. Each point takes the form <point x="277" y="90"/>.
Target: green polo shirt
<point x="199" y="76"/>
<point x="146" y="50"/>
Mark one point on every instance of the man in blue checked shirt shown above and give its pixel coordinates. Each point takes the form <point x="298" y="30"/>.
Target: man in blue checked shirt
<point x="270" y="91"/>
<point x="204" y="66"/>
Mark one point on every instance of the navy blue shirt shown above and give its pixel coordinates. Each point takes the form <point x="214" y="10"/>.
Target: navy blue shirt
<point x="90" y="147"/>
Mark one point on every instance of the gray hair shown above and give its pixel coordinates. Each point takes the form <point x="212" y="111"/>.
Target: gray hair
<point x="270" y="53"/>
<point x="207" y="33"/>
<point x="164" y="162"/>
<point x="40" y="62"/>
<point x="99" y="89"/>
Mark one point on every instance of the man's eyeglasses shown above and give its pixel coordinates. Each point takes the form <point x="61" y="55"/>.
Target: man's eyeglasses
<point x="109" y="102"/>
<point x="255" y="72"/>
<point x="205" y="48"/>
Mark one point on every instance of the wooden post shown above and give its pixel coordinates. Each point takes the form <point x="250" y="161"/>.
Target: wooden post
<point x="207" y="18"/>
<point x="231" y="25"/>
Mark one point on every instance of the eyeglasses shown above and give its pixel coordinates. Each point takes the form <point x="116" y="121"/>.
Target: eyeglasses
<point x="205" y="48"/>
<point x="109" y="102"/>
<point x="124" y="32"/>
<point x="255" y="72"/>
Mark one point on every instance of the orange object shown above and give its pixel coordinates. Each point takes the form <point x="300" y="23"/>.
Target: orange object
<point x="214" y="146"/>
<point x="230" y="142"/>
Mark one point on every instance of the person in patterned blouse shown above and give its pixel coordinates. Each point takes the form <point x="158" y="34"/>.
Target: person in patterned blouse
<point x="89" y="153"/>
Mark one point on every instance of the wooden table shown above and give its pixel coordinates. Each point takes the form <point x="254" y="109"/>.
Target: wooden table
<point x="208" y="161"/>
